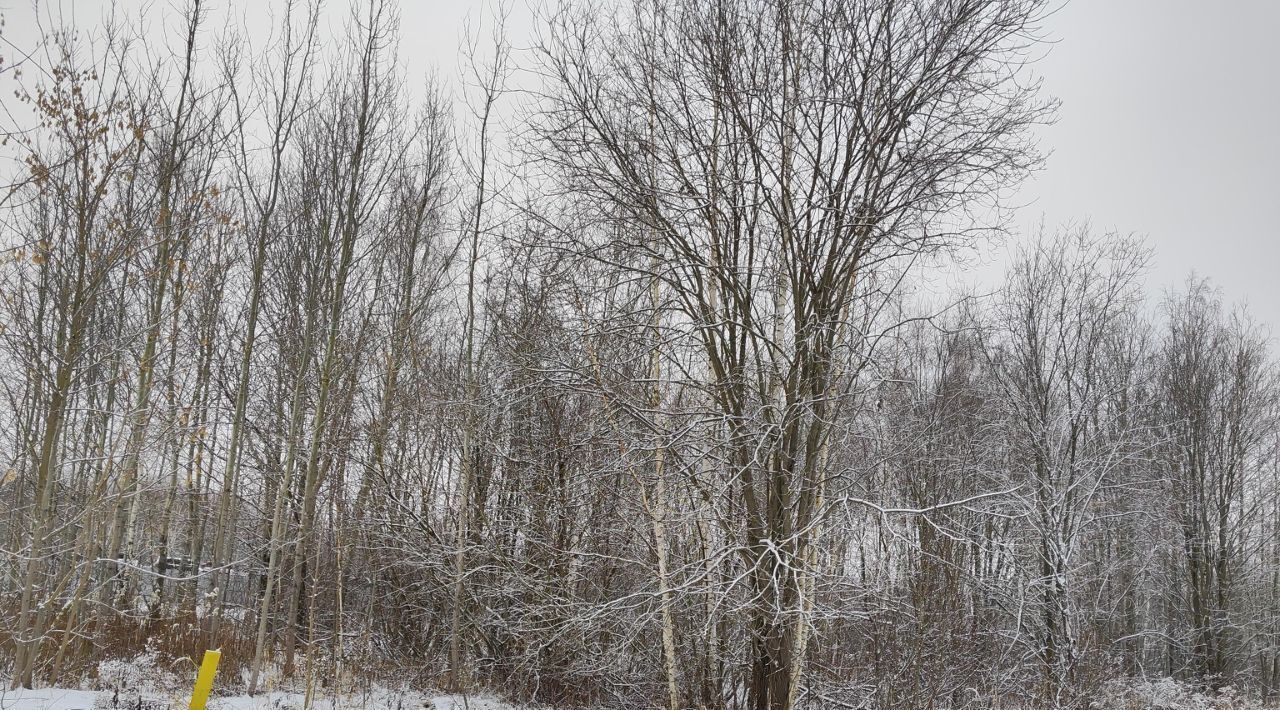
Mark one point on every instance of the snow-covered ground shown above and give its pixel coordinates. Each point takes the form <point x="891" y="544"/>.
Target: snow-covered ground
<point x="380" y="699"/>
<point x="166" y="685"/>
<point x="48" y="699"/>
<point x="1168" y="694"/>
<point x="158" y="690"/>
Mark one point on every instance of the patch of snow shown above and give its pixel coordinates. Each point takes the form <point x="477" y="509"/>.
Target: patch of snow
<point x="377" y="699"/>
<point x="468" y="702"/>
<point x="1167" y="694"/>
<point x="145" y="674"/>
<point x="47" y="699"/>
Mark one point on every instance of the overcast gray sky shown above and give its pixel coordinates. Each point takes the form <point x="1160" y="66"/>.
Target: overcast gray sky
<point x="1169" y="127"/>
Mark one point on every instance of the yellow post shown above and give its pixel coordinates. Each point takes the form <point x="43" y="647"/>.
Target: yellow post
<point x="204" y="681"/>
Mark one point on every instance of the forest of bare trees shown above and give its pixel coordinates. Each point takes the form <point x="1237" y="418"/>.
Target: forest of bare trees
<point x="607" y="380"/>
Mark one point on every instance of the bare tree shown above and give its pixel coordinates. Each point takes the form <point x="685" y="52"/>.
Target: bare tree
<point x="79" y="213"/>
<point x="652" y="410"/>
<point x="794" y="148"/>
<point x="1067" y="305"/>
<point x="1217" y="398"/>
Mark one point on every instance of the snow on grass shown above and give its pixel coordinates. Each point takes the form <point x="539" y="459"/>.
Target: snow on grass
<point x="152" y="683"/>
<point x="377" y="699"/>
<point x="47" y="699"/>
<point x="1167" y="694"/>
<point x="469" y="702"/>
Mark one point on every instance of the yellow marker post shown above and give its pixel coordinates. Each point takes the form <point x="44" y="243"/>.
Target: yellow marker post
<point x="204" y="680"/>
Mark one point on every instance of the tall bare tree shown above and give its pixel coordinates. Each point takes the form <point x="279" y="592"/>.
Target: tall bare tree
<point x="795" y="148"/>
